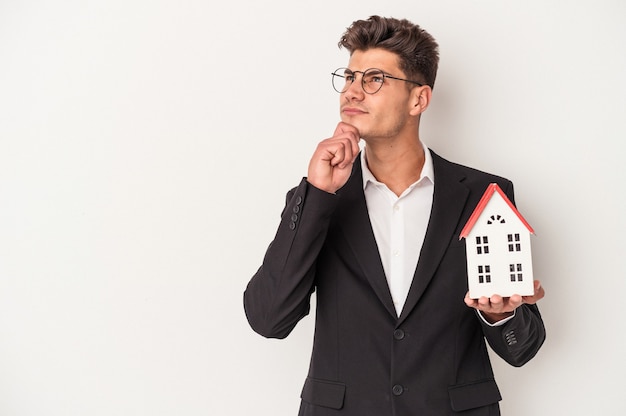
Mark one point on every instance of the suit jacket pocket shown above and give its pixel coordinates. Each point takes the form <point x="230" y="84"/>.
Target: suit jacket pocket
<point x="323" y="393"/>
<point x="472" y="395"/>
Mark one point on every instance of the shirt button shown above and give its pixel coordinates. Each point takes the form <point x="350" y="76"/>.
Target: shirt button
<point x="398" y="334"/>
<point x="397" y="390"/>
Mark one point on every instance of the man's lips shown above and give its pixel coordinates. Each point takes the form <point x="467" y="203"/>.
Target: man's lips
<point x="352" y="111"/>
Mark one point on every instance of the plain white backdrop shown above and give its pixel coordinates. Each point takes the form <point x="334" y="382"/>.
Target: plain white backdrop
<point x="146" y="148"/>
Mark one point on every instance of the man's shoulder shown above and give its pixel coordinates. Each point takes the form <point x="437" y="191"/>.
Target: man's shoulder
<point x="469" y="174"/>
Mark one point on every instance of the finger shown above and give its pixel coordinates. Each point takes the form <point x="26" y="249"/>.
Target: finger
<point x="355" y="146"/>
<point x="539" y="294"/>
<point x="533" y="299"/>
<point x="339" y="154"/>
<point x="342" y="153"/>
<point x="345" y="128"/>
<point x="469" y="301"/>
<point x="515" y="301"/>
<point x="496" y="300"/>
<point x="496" y="303"/>
<point x="351" y="133"/>
<point x="483" y="303"/>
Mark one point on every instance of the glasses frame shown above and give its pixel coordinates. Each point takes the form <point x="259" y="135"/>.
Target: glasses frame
<point x="349" y="84"/>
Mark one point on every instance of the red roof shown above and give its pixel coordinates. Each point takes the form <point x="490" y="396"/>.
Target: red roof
<point x="491" y="189"/>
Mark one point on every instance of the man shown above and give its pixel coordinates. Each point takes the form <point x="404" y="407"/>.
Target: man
<point x="376" y="235"/>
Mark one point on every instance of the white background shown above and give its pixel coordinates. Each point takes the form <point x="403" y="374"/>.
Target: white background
<point x="146" y="148"/>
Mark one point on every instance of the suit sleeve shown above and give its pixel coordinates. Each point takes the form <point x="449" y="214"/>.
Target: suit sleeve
<point x="518" y="340"/>
<point x="278" y="295"/>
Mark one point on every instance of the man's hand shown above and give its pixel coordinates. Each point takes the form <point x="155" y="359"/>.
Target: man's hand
<point x="331" y="164"/>
<point x="497" y="308"/>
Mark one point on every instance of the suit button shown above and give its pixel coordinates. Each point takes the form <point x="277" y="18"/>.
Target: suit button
<point x="294" y="217"/>
<point x="298" y="200"/>
<point x="398" y="334"/>
<point x="292" y="225"/>
<point x="296" y="209"/>
<point x="510" y="338"/>
<point x="397" y="390"/>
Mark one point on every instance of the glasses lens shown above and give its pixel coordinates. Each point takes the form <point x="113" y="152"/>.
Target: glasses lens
<point x="373" y="80"/>
<point x="342" y="78"/>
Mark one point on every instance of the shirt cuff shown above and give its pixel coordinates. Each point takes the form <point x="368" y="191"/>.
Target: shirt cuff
<point x="498" y="323"/>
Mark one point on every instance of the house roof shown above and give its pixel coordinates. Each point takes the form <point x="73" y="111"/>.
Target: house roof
<point x="491" y="189"/>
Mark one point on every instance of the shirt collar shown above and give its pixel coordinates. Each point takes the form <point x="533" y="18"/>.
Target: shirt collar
<point x="427" y="170"/>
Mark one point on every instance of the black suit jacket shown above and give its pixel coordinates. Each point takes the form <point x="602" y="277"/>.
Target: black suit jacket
<point x="432" y="359"/>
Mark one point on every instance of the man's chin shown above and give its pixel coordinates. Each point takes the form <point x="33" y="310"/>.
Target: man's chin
<point x="353" y="122"/>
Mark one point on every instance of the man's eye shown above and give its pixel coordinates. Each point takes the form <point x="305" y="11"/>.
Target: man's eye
<point x="349" y="77"/>
<point x="375" y="78"/>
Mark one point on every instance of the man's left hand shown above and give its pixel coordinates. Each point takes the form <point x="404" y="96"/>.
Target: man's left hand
<point x="496" y="307"/>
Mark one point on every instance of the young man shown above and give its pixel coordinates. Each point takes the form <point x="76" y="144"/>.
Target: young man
<point x="376" y="235"/>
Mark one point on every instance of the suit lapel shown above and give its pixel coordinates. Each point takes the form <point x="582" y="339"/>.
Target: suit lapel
<point x="355" y="223"/>
<point x="449" y="199"/>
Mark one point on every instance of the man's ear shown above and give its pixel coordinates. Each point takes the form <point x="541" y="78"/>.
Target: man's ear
<point x="420" y="99"/>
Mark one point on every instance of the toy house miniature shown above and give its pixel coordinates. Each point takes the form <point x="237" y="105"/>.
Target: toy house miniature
<point x="497" y="243"/>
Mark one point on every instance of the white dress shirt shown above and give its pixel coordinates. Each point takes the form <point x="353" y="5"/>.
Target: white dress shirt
<point x="399" y="224"/>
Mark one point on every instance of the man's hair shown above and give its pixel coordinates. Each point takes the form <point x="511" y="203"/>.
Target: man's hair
<point x="417" y="50"/>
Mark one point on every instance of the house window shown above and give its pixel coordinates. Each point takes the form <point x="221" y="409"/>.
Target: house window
<point x="514" y="242"/>
<point x="482" y="246"/>
<point x="484" y="274"/>
<point x="496" y="218"/>
<point x="516" y="272"/>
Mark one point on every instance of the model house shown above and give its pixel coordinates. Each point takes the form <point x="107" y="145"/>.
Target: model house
<point x="497" y="243"/>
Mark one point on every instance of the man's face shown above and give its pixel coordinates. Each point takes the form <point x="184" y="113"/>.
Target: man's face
<point x="382" y="115"/>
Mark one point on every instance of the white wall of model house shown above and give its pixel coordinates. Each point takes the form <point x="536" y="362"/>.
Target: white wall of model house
<point x="499" y="258"/>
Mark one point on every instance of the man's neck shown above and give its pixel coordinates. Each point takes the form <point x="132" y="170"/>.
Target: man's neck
<point x="397" y="165"/>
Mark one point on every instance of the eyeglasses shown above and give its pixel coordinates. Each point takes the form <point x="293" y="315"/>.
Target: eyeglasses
<point x="372" y="79"/>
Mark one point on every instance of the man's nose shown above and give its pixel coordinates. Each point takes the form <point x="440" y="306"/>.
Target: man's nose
<point x="355" y="89"/>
